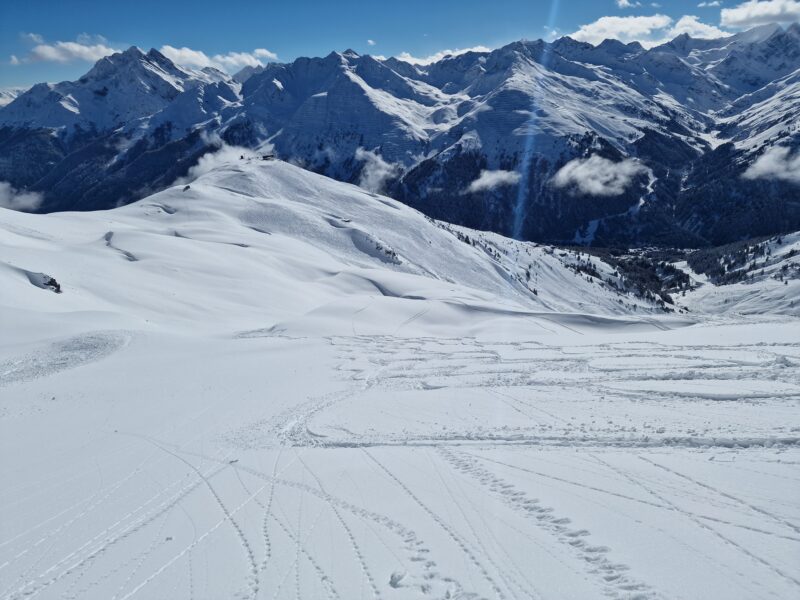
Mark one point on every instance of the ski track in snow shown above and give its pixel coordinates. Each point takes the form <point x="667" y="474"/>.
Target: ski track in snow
<point x="409" y="366"/>
<point x="455" y="439"/>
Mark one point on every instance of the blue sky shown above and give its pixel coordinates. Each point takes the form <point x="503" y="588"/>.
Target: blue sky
<point x="43" y="40"/>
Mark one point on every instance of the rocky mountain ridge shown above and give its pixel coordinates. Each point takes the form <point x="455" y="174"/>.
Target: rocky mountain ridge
<point x="562" y="142"/>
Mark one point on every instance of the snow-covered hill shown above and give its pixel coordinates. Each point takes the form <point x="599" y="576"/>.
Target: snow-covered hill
<point x="256" y="242"/>
<point x="264" y="243"/>
<point x="428" y="134"/>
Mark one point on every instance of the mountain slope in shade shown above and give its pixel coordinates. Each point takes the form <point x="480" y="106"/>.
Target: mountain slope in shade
<point x="695" y="113"/>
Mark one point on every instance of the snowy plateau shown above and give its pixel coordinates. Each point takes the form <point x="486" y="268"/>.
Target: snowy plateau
<point x="254" y="381"/>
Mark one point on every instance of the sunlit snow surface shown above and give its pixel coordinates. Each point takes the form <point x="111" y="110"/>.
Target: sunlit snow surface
<point x="275" y="386"/>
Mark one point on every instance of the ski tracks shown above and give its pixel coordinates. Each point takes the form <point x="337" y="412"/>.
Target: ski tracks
<point x="126" y="526"/>
<point x="761" y="511"/>
<point x="359" y="555"/>
<point x="252" y="578"/>
<point x="701" y="524"/>
<point x="457" y="539"/>
<point x="612" y="577"/>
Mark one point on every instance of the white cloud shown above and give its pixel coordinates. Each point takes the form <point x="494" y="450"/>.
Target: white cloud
<point x="87" y="39"/>
<point x="86" y="47"/>
<point x="776" y="163"/>
<point x="186" y="56"/>
<point x="15" y="199"/>
<point x="94" y="47"/>
<point x="550" y="33"/>
<point x="265" y="54"/>
<point x="376" y="171"/>
<point x="598" y="176"/>
<point x="32" y="37"/>
<point x="69" y="51"/>
<point x="426" y="60"/>
<point x="223" y="155"/>
<point x="371" y="42"/>
<point x="712" y="4"/>
<point x="14" y="60"/>
<point x="761" y="12"/>
<point x="627" y="4"/>
<point x="625" y="29"/>
<point x="648" y="30"/>
<point x="490" y="180"/>
<point x="696" y="29"/>
<point x="230" y="62"/>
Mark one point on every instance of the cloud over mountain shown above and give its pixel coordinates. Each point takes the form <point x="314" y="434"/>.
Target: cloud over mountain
<point x="86" y="47"/>
<point x="426" y="60"/>
<point x="11" y="197"/>
<point x="229" y="62"/>
<point x="376" y="171"/>
<point x="776" y="163"/>
<point x="761" y="12"/>
<point x="598" y="176"/>
<point x="490" y="180"/>
<point x="648" y="30"/>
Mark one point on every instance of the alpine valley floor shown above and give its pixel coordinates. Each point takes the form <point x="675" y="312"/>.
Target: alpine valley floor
<point x="240" y="394"/>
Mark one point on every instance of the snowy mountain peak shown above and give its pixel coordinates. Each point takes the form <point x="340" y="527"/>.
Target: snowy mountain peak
<point x="133" y="67"/>
<point x="758" y="33"/>
<point x="247" y="72"/>
<point x="617" y="48"/>
<point x="132" y="53"/>
<point x="118" y="90"/>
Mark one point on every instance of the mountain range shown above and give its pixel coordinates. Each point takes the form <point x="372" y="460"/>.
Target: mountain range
<point x="685" y="144"/>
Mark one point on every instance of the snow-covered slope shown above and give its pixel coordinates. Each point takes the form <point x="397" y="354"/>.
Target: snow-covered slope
<point x="256" y="242"/>
<point x="765" y="280"/>
<point x="7" y="95"/>
<point x="267" y="241"/>
<point x="766" y="117"/>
